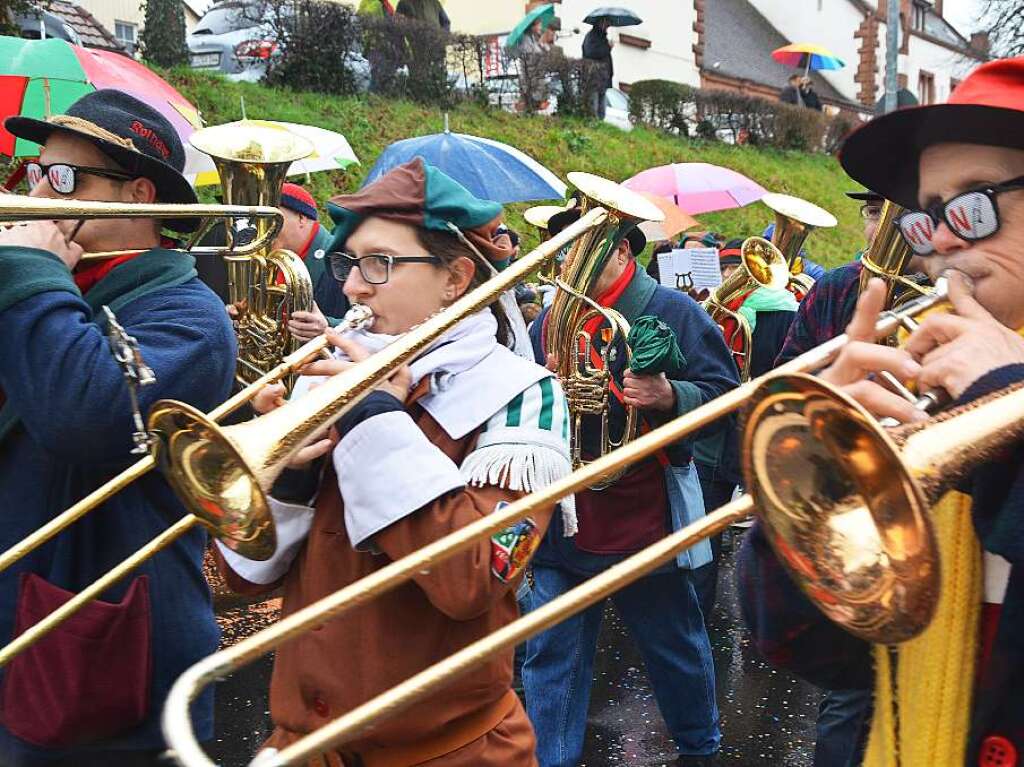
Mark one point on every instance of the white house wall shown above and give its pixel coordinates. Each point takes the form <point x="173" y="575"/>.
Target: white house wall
<point x="942" y="62"/>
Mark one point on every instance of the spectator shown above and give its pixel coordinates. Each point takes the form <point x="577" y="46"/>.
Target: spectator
<point x="428" y="11"/>
<point x="598" y="48"/>
<point x="376" y="8"/>
<point x="808" y="95"/>
<point x="791" y="93"/>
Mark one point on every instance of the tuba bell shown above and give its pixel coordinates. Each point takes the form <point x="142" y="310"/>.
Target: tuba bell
<point x="795" y="219"/>
<point x="266" y="286"/>
<point x="584" y="373"/>
<point x="762" y="265"/>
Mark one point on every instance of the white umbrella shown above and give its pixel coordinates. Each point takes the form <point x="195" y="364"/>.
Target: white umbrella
<point x="331" y="151"/>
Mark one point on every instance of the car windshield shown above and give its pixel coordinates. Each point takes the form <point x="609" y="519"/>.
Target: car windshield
<point x="229" y="17"/>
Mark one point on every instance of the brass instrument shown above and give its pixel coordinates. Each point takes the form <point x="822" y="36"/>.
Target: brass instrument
<point x="265" y="285"/>
<point x="794" y="220"/>
<point x="887" y="257"/>
<point x="762" y="265"/>
<point x="586" y="383"/>
<point x="177" y="725"/>
<point x="538" y="217"/>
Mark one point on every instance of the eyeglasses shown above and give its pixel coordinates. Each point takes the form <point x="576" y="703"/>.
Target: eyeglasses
<point x="971" y="216"/>
<point x="63" y="177"/>
<point x="375" y="268"/>
<point x="869" y="210"/>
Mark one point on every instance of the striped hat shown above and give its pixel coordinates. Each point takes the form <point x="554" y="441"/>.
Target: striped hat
<point x="295" y="198"/>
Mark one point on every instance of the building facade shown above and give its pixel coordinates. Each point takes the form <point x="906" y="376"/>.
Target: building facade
<point x="124" y="19"/>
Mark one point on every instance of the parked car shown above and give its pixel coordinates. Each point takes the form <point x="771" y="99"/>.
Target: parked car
<point x="616" y="109"/>
<point x="36" y="24"/>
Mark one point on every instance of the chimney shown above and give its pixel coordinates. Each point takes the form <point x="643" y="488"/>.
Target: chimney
<point x="980" y="42"/>
<point x="938" y="6"/>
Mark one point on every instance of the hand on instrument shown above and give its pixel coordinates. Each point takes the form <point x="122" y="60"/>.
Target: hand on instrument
<point x="647" y="392"/>
<point x="52" y="236"/>
<point x="551" y="363"/>
<point x="232" y="311"/>
<point x="270" y="397"/>
<point x="862" y="357"/>
<point x="307" y="325"/>
<point x="397" y="385"/>
<point x="955" y="350"/>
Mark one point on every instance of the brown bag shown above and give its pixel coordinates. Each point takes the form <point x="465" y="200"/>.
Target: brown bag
<point x="88" y="679"/>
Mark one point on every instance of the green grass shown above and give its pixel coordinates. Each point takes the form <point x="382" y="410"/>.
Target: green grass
<point x="563" y="145"/>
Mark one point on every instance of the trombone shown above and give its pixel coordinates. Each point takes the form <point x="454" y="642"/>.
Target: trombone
<point x="177" y="724"/>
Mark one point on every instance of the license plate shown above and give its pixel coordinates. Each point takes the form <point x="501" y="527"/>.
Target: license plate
<point x="205" y="59"/>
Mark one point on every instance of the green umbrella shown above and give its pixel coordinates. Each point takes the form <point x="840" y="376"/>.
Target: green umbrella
<point x="546" y="14"/>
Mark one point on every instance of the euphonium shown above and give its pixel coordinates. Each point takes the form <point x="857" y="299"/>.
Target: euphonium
<point x="887" y="257"/>
<point x="794" y="220"/>
<point x="265" y="287"/>
<point x="583" y="372"/>
<point x="538" y="217"/>
<point x="762" y="266"/>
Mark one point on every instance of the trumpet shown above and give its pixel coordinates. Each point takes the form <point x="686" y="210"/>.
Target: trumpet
<point x="177" y="726"/>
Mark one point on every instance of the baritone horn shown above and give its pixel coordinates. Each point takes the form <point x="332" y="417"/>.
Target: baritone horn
<point x="177" y="726"/>
<point x="888" y="257"/>
<point x="795" y="219"/>
<point x="762" y="265"/>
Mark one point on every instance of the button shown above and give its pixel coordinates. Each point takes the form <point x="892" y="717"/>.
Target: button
<point x="320" y="707"/>
<point x="997" y="751"/>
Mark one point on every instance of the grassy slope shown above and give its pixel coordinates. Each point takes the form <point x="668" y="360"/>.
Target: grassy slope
<point x="562" y="145"/>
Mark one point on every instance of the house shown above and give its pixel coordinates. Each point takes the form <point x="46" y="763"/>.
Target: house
<point x="933" y="55"/>
<point x="125" y="18"/>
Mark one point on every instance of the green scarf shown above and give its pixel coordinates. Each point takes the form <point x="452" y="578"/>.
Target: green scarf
<point x="654" y="346"/>
<point x="151" y="271"/>
<point x="767" y="300"/>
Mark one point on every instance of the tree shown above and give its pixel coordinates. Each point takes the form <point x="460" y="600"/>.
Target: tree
<point x="8" y="10"/>
<point x="1004" y="21"/>
<point x="163" y="36"/>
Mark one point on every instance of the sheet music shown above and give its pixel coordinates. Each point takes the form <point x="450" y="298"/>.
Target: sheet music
<point x="683" y="269"/>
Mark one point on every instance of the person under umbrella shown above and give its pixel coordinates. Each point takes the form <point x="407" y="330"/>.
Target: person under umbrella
<point x="598" y="48"/>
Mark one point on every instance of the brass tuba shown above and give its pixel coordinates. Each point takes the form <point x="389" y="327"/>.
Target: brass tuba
<point x="265" y="287"/>
<point x="887" y="258"/>
<point x="585" y="380"/>
<point x="794" y="220"/>
<point x="762" y="266"/>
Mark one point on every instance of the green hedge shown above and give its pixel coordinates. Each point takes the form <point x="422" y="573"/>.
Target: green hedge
<point x="732" y="117"/>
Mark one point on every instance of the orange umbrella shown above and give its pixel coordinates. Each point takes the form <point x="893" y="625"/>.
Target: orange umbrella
<point x="676" y="220"/>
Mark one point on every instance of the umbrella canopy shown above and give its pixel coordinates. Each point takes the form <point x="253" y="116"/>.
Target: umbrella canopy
<point x="331" y="151"/>
<point x="546" y="14"/>
<point x="39" y="78"/>
<point x="807" y="56"/>
<point x="489" y="169"/>
<point x="676" y="220"/>
<point x="617" y="17"/>
<point x="697" y="187"/>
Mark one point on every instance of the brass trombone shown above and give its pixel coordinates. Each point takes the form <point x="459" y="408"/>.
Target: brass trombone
<point x="176" y="721"/>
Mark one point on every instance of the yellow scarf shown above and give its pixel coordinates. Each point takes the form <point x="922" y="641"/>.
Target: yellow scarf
<point x="935" y="671"/>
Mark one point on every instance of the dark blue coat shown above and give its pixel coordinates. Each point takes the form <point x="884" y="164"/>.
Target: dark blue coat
<point x="74" y="432"/>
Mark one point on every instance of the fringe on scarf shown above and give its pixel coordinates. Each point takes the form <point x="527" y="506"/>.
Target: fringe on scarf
<point x="524" y="467"/>
<point x="925" y="718"/>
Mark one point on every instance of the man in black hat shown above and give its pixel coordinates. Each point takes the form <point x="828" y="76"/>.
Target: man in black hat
<point x="661" y="611"/>
<point x="92" y="691"/>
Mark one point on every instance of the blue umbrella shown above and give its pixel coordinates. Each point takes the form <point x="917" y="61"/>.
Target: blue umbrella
<point x="489" y="169"/>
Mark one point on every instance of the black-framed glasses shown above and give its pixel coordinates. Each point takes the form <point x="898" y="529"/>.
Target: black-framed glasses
<point x="972" y="215"/>
<point x="63" y="177"/>
<point x="375" y="268"/>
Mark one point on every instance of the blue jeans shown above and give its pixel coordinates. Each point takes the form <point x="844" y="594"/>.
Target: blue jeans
<point x="663" y="617"/>
<point x="843" y="717"/>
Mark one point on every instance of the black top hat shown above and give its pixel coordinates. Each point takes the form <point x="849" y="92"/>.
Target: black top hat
<point x="636" y="239"/>
<point x="129" y="132"/>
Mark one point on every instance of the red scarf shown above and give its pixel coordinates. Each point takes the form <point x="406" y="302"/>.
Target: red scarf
<point x="88" y="275"/>
<point x="304" y="252"/>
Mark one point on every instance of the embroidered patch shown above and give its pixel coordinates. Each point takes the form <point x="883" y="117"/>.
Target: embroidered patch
<point x="512" y="548"/>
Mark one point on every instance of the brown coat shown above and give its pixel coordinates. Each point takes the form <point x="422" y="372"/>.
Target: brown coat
<point x="349" y="660"/>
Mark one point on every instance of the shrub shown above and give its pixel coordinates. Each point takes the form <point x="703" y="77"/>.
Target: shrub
<point x="163" y="34"/>
<point x="316" y="40"/>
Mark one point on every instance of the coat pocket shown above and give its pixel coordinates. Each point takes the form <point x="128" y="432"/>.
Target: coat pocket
<point x="87" y="680"/>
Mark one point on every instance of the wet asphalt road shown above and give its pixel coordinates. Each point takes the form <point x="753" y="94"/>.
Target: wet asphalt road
<point x="767" y="716"/>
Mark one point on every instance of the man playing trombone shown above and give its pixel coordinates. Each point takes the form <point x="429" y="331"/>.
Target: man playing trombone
<point x="958" y="168"/>
<point x="90" y="693"/>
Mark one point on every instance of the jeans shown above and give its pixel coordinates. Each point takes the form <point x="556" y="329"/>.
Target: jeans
<point x="717" y="492"/>
<point x="662" y="616"/>
<point x="843" y="716"/>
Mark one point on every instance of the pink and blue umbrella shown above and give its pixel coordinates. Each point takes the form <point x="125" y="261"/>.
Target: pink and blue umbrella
<point x="489" y="169"/>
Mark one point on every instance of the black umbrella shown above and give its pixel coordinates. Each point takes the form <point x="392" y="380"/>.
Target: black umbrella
<point x="616" y="17"/>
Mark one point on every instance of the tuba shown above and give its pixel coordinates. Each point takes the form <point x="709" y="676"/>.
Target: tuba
<point x="266" y="286"/>
<point x="762" y="266"/>
<point x="887" y="258"/>
<point x="794" y="220"/>
<point x="583" y="372"/>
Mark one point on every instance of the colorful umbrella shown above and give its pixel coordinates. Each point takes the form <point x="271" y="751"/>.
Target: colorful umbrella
<point x="807" y="56"/>
<point x="546" y="14"/>
<point x="331" y="151"/>
<point x="697" y="187"/>
<point x="489" y="169"/>
<point x="39" y="78"/>
<point x="616" y="17"/>
<point x="676" y="220"/>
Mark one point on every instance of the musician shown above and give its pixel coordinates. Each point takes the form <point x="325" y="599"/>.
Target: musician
<point x="91" y="693"/>
<point x="962" y="164"/>
<point x="660" y="611"/>
<point x="467" y="428"/>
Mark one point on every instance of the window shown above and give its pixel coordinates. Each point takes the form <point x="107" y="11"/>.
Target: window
<point x="125" y="32"/>
<point x="926" y="87"/>
<point x="919" y="12"/>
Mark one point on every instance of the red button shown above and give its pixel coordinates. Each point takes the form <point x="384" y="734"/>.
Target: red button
<point x="997" y="751"/>
<point x="320" y="707"/>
